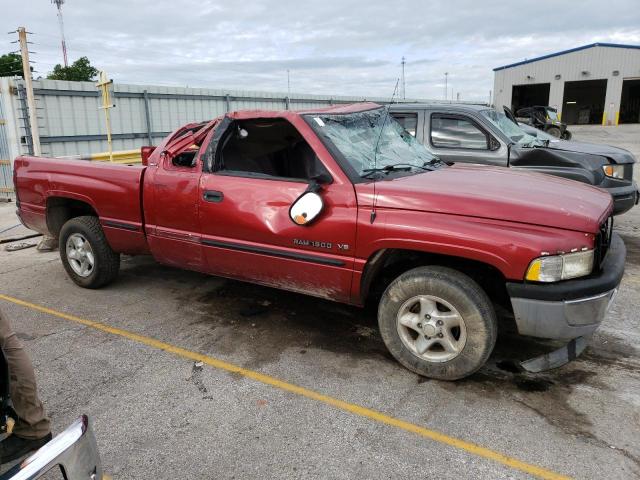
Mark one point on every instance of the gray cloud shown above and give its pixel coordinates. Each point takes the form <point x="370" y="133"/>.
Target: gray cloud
<point x="330" y="47"/>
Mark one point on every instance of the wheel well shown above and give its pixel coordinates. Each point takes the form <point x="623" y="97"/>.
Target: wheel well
<point x="387" y="265"/>
<point x="60" y="210"/>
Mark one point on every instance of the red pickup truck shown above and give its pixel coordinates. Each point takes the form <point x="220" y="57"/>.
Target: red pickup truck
<point x="342" y="203"/>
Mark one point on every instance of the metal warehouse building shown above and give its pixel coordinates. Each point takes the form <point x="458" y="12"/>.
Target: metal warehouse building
<point x="593" y="84"/>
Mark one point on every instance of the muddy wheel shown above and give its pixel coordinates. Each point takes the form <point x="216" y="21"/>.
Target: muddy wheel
<point x="437" y="322"/>
<point x="554" y="131"/>
<point x="85" y="253"/>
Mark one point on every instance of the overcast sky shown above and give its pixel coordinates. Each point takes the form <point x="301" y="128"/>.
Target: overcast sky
<point x="340" y="47"/>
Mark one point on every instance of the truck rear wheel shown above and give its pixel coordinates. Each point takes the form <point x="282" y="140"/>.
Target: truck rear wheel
<point x="437" y="322"/>
<point x="86" y="254"/>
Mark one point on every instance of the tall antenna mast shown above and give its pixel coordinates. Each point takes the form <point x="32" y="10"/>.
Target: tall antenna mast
<point x="374" y="214"/>
<point x="404" y="86"/>
<point x="58" y="4"/>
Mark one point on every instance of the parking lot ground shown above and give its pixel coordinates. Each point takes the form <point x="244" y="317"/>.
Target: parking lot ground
<point x="190" y="376"/>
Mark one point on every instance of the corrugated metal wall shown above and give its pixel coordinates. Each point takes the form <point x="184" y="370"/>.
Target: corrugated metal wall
<point x="71" y="122"/>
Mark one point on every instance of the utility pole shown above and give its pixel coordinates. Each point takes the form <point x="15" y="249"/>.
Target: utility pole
<point x="31" y="101"/>
<point x="404" y="85"/>
<point x="58" y="4"/>
<point x="446" y="86"/>
<point x="288" y="102"/>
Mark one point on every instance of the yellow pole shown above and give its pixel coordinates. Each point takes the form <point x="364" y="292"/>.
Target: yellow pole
<point x="103" y="84"/>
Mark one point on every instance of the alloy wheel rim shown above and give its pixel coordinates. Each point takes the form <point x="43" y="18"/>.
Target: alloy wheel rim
<point x="80" y="255"/>
<point x="431" y="328"/>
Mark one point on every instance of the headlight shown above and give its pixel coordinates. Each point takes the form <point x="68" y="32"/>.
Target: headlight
<point x="560" y="267"/>
<point x="613" y="171"/>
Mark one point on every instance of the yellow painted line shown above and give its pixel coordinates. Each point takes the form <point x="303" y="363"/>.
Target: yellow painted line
<point x="371" y="414"/>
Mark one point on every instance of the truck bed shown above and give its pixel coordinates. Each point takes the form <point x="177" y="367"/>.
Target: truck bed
<point x="113" y="191"/>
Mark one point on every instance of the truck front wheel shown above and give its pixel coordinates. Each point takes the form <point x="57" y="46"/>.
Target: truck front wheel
<point x="437" y="322"/>
<point x="554" y="131"/>
<point x="86" y="254"/>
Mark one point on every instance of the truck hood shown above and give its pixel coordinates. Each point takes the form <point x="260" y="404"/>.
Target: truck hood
<point x="496" y="193"/>
<point x="615" y="154"/>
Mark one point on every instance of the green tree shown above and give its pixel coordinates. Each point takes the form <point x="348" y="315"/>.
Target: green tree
<point x="10" y="65"/>
<point x="79" y="71"/>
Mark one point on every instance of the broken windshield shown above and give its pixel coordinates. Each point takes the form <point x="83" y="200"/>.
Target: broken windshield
<point x="510" y="129"/>
<point x="359" y="135"/>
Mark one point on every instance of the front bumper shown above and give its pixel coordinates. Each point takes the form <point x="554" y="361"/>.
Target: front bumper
<point x="624" y="198"/>
<point x="572" y="308"/>
<point x="75" y="450"/>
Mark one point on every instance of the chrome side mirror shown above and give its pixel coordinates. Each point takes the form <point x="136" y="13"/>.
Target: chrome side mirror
<point x="306" y="208"/>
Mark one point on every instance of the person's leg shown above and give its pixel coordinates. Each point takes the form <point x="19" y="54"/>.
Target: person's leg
<point x="32" y="426"/>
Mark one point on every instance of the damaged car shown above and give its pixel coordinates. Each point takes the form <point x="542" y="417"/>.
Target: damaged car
<point x="465" y="133"/>
<point x="344" y="204"/>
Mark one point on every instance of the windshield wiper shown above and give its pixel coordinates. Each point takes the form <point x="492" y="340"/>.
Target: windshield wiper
<point x="395" y="167"/>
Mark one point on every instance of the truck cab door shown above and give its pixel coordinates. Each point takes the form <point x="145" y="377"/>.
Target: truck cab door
<point x="171" y="191"/>
<point x="457" y="137"/>
<point x="259" y="168"/>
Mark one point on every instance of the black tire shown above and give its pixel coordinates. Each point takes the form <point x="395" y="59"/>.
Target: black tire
<point x="554" y="131"/>
<point x="106" y="262"/>
<point x="461" y="292"/>
<point x="566" y="135"/>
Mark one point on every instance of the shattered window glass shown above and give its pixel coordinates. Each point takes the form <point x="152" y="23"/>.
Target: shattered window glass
<point x="510" y="129"/>
<point x="359" y="135"/>
<point x="409" y="121"/>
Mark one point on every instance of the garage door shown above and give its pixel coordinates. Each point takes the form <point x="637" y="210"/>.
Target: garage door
<point x="583" y="102"/>
<point x="630" y="101"/>
<point x="529" y="95"/>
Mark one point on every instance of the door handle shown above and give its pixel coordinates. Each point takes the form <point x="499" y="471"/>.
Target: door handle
<point x="212" y="196"/>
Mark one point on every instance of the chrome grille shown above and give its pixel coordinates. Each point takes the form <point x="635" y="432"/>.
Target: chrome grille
<point x="603" y="241"/>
